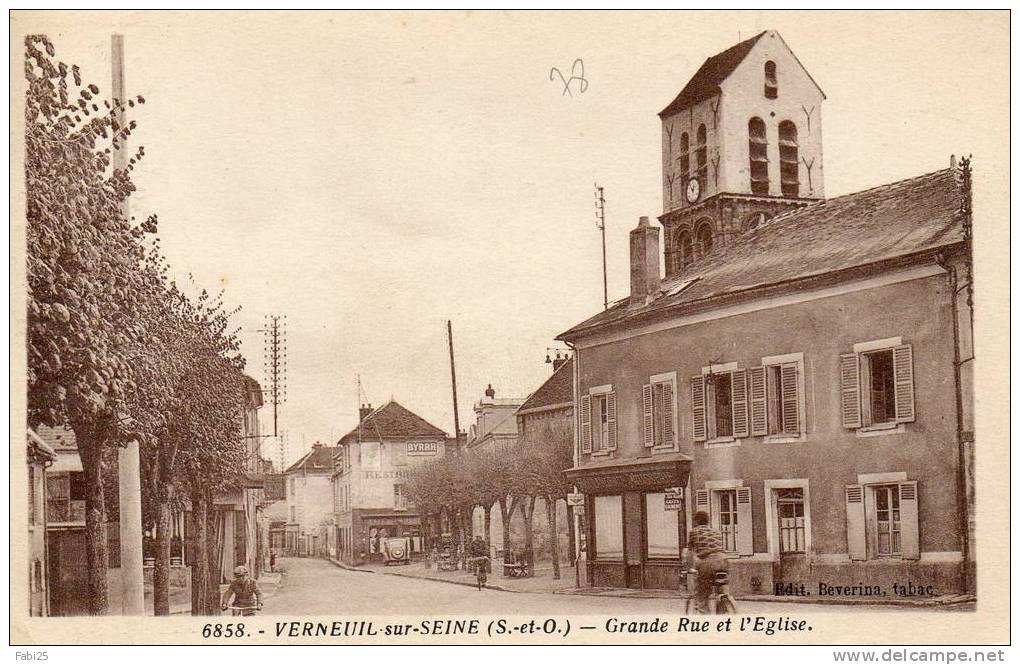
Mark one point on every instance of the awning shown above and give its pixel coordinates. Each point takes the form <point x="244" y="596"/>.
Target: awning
<point x="640" y="474"/>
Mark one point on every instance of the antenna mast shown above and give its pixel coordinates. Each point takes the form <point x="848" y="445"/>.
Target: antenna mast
<point x="275" y="362"/>
<point x="453" y="379"/>
<point x="600" y="224"/>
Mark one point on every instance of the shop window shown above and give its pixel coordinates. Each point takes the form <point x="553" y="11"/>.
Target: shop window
<point x="882" y="520"/>
<point x="758" y="153"/>
<point x="771" y="85"/>
<point x="789" y="167"/>
<point x="598" y="421"/>
<point x="877" y="385"/>
<point x="658" y="400"/>
<point x="663" y="528"/>
<point x="609" y="527"/>
<point x="701" y="155"/>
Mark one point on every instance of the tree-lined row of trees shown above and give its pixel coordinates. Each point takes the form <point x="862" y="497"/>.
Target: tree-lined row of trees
<point x="512" y="479"/>
<point x="117" y="351"/>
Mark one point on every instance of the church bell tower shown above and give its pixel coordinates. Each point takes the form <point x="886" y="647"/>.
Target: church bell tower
<point x="741" y="144"/>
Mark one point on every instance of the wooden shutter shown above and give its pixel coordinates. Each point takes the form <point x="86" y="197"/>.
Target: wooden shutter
<point x="738" y="390"/>
<point x="856" y="542"/>
<point x="910" y="546"/>
<point x="745" y="540"/>
<point x="611" y="420"/>
<point x="668" y="415"/>
<point x="698" y="408"/>
<point x="648" y="422"/>
<point x="903" y="376"/>
<point x="850" y="389"/>
<point x="758" y="406"/>
<point x="585" y="423"/>
<point x="790" y="395"/>
<point x="702" y="501"/>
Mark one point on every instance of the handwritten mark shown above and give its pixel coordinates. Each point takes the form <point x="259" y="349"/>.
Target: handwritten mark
<point x="574" y="76"/>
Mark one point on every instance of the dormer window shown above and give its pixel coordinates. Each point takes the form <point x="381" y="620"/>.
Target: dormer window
<point x="702" y="154"/>
<point x="788" y="159"/>
<point x="758" y="152"/>
<point x="771" y="87"/>
<point x="685" y="157"/>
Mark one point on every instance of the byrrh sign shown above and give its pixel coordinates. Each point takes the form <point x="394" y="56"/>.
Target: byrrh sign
<point x="422" y="447"/>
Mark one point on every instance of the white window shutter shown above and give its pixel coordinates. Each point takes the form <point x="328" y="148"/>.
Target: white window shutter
<point x="850" y="389"/>
<point x="759" y="407"/>
<point x="738" y="388"/>
<point x="903" y="376"/>
<point x="790" y="394"/>
<point x="585" y="423"/>
<point x="745" y="533"/>
<point x="702" y="501"/>
<point x="668" y="414"/>
<point x="648" y="423"/>
<point x="611" y="420"/>
<point x="856" y="540"/>
<point x="698" y="408"/>
<point x="910" y="544"/>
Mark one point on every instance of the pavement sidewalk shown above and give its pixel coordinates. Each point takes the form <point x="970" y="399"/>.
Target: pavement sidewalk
<point x="542" y="582"/>
<point x="935" y="601"/>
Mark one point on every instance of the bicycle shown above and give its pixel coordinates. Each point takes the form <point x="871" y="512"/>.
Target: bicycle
<point x="481" y="564"/>
<point x="719" y="600"/>
<point x="243" y="610"/>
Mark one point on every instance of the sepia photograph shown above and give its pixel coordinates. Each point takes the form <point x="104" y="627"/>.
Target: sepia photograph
<point x="509" y="327"/>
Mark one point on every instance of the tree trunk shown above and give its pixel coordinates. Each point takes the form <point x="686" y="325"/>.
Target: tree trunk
<point x="505" y="512"/>
<point x="200" y="556"/>
<point x="96" y="556"/>
<point x="528" y="512"/>
<point x="161" y="572"/>
<point x="571" y="536"/>
<point x="554" y="536"/>
<point x="488" y="525"/>
<point x="215" y="557"/>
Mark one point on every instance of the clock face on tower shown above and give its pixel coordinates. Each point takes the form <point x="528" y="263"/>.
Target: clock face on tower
<point x="693" y="190"/>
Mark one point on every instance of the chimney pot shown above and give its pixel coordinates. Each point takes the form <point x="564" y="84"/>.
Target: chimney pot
<point x="364" y="411"/>
<point x="489" y="392"/>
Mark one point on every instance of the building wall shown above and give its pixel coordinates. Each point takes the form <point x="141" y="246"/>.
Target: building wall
<point x="831" y="457"/>
<point x="673" y="127"/>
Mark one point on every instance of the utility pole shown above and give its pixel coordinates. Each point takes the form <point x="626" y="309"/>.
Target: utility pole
<point x="600" y="224"/>
<point x="453" y="379"/>
<point x="275" y="362"/>
<point x="128" y="467"/>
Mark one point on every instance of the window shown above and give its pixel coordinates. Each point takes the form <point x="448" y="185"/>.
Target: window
<point x="729" y="508"/>
<point x="293" y="515"/>
<point x="792" y="533"/>
<point x="609" y="527"/>
<point x="293" y="488"/>
<point x="598" y="421"/>
<point x="705" y="238"/>
<point x="771" y="87"/>
<point x="663" y="528"/>
<point x="685" y="158"/>
<point x="686" y="248"/>
<point x="882" y="519"/>
<point x="726" y="500"/>
<point x="776" y="396"/>
<point x="758" y="149"/>
<point x="719" y="405"/>
<point x="65" y="497"/>
<point x="701" y="155"/>
<point x="399" y="498"/>
<point x="659" y="409"/>
<point x="877" y="385"/>
<point x="789" y="171"/>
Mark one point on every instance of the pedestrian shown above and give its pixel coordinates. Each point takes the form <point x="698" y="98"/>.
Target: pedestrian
<point x="272" y="561"/>
<point x="707" y="545"/>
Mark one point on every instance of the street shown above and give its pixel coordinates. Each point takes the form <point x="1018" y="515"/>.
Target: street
<point x="317" y="587"/>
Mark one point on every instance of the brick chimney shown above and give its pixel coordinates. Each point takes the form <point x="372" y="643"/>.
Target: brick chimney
<point x="558" y="361"/>
<point x="644" y="263"/>
<point x="364" y="411"/>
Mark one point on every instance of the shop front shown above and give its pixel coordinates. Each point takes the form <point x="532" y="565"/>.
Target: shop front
<point x="375" y="528"/>
<point x="636" y="512"/>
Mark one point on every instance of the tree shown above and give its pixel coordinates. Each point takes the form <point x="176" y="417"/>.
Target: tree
<point x="83" y="277"/>
<point x="547" y="452"/>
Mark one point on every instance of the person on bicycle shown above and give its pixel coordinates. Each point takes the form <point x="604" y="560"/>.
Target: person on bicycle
<point x="244" y="590"/>
<point x="478" y="549"/>
<point x="707" y="545"/>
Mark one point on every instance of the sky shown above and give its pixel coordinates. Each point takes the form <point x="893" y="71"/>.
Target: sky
<point x="371" y="176"/>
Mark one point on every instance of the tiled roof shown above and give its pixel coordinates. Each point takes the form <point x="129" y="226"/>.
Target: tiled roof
<point x="869" y="227"/>
<point x="389" y="421"/>
<point x="705" y="82"/>
<point x="57" y="437"/>
<point x="557" y="389"/>
<point x="318" y="458"/>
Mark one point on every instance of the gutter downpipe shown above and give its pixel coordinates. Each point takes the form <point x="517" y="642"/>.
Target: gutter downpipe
<point x="577" y="427"/>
